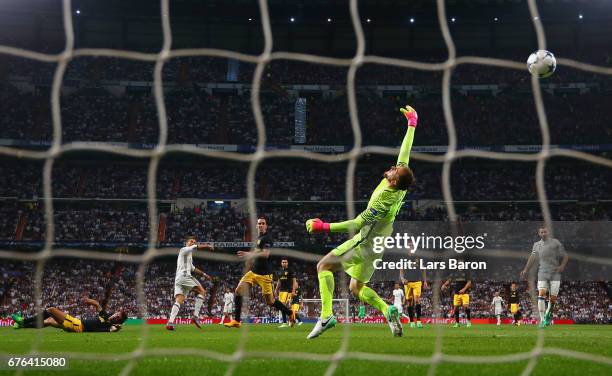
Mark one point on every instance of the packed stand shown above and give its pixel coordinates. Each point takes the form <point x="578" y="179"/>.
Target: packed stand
<point x="302" y="181"/>
<point x="95" y="110"/>
<point x="582" y="301"/>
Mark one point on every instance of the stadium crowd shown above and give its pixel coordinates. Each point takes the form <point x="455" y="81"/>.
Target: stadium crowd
<point x="100" y="222"/>
<point x="94" y="110"/>
<point x="215" y="70"/>
<point x="302" y="180"/>
<point x="65" y="281"/>
<point x="198" y="117"/>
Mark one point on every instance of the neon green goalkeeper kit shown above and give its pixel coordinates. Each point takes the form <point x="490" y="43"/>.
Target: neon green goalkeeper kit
<point x="376" y="220"/>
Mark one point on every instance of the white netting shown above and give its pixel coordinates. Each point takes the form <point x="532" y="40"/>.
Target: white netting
<point x="254" y="159"/>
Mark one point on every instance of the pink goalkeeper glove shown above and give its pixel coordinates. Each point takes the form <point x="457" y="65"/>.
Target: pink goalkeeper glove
<point x="316" y="225"/>
<point x="411" y="116"/>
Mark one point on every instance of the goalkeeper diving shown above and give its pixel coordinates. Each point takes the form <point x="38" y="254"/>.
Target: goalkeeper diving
<point x="356" y="255"/>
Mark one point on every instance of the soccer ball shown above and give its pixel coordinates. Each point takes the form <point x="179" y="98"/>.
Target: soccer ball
<point x="542" y="63"/>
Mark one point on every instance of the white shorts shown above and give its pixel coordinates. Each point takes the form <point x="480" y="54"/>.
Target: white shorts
<point x="184" y="284"/>
<point x="498" y="312"/>
<point x="400" y="308"/>
<point x="551" y="286"/>
<point x="228" y="308"/>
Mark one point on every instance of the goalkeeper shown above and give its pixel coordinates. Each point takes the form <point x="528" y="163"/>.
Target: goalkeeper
<point x="356" y="255"/>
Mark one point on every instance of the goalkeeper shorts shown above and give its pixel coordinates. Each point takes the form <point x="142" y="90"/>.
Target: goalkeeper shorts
<point x="357" y="257"/>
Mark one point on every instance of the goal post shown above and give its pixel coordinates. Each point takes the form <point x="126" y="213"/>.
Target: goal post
<point x="341" y="308"/>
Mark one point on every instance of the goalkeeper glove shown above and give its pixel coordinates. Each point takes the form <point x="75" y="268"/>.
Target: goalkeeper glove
<point x="316" y="225"/>
<point x="411" y="116"/>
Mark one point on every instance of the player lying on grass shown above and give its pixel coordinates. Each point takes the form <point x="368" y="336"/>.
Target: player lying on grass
<point x="184" y="281"/>
<point x="356" y="255"/>
<point x="58" y="319"/>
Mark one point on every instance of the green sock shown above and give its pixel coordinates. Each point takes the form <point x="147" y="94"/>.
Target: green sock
<point x="370" y="296"/>
<point x="326" y="290"/>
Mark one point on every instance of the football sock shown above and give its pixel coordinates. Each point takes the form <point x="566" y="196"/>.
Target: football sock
<point x="284" y="316"/>
<point x="297" y="318"/>
<point x="326" y="290"/>
<point x="31" y="322"/>
<point x="457" y="315"/>
<point x="237" y="307"/>
<point x="367" y="295"/>
<point x="551" y="306"/>
<point x="281" y="307"/>
<point x="468" y="314"/>
<point x="199" y="300"/>
<point x="541" y="307"/>
<point x="410" y="312"/>
<point x="222" y="318"/>
<point x="174" y="312"/>
<point x="418" y="311"/>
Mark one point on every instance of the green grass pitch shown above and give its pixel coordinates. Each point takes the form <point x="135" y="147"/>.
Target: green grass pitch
<point x="477" y="340"/>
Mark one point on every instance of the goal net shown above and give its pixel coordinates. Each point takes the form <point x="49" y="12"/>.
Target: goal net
<point x="154" y="155"/>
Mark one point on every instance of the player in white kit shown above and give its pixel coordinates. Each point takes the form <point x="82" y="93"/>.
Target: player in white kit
<point x="552" y="261"/>
<point x="498" y="306"/>
<point x="228" y="305"/>
<point x="184" y="282"/>
<point x="398" y="299"/>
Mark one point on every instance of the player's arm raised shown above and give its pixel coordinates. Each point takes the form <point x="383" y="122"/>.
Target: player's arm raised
<point x="381" y="207"/>
<point x="92" y="302"/>
<point x="412" y="118"/>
